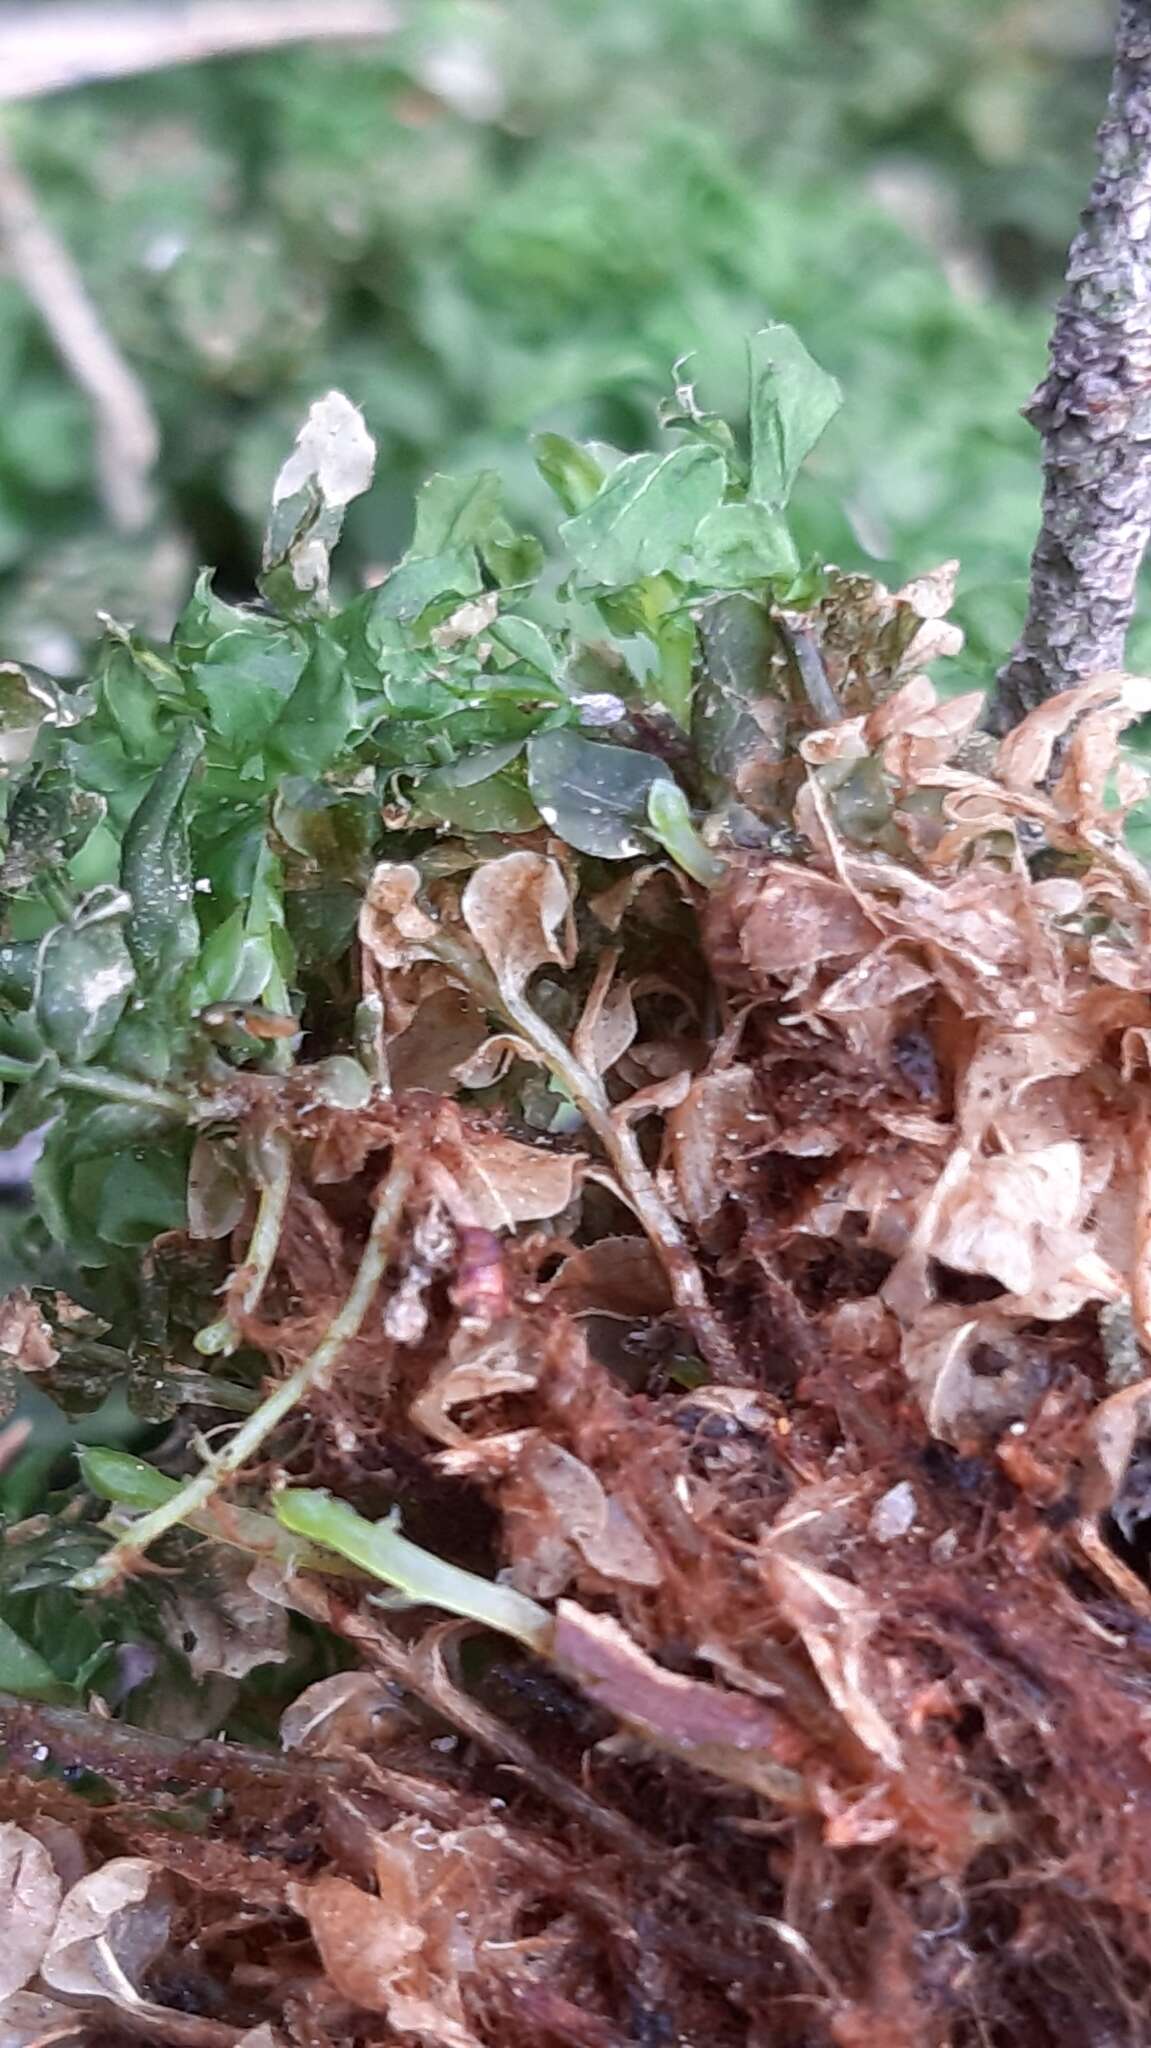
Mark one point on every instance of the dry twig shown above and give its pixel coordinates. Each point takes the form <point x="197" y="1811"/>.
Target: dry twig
<point x="127" y="437"/>
<point x="52" y="49"/>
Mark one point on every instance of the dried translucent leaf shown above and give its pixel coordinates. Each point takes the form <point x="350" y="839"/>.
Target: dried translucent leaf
<point x="518" y="910"/>
<point x="877" y="983"/>
<point x="1025" y="756"/>
<point x="29" y="2020"/>
<point x="1017" y="1218"/>
<point x="226" y="1627"/>
<point x="491" y="1060"/>
<point x="608" y="1023"/>
<point x="705" y="1134"/>
<point x="334" y="1713"/>
<point x="332" y="463"/>
<point x="616" y="1276"/>
<point x="111" y="1927"/>
<point x="468" y="619"/>
<point x="665" y="1093"/>
<point x="489" y="1182"/>
<point x="1113" y="1432"/>
<point x="26" y="1339"/>
<point x="960" y="1404"/>
<point x="480" y="1367"/>
<point x="218" y="1192"/>
<point x="409" y="1952"/>
<point x="444" y="1034"/>
<point x="794" y="918"/>
<point x="834" y="1621"/>
<point x="362" y="1947"/>
<point x="30" y="1895"/>
<point x="393" y="928"/>
<point x="558" y="1507"/>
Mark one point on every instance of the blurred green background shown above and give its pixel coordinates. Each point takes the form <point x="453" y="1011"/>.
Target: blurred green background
<point x="518" y="213"/>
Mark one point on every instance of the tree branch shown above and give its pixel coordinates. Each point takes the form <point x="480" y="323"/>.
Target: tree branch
<point x="46" y="49"/>
<point x="1093" y="410"/>
<point x="127" y="438"/>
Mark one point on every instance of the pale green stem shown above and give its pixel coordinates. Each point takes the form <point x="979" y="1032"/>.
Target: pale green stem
<point x="130" y="1483"/>
<point x="110" y="1087"/>
<point x="274" y="1156"/>
<point x="617" y="1136"/>
<point x="196" y="1492"/>
<point x="675" y="640"/>
<point x="379" y="1548"/>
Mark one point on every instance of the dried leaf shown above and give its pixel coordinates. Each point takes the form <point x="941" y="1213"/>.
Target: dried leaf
<point x="333" y="462"/>
<point x="705" y="1134"/>
<point x="488" y="1182"/>
<point x="667" y="1092"/>
<point x="393" y="928"/>
<point x="480" y="1367"/>
<point x="790" y="919"/>
<point x="30" y="1894"/>
<point x="410" y="1952"/>
<point x="444" y="1039"/>
<point x="834" y="1621"/>
<point x="491" y="1060"/>
<point x="515" y="909"/>
<point x="112" y="1926"/>
<point x="616" y="1276"/>
<point x="218" y="1192"/>
<point x="1113" y="1432"/>
<point x="29" y="2020"/>
<point x="608" y="1023"/>
<point x="335" y="1713"/>
<point x="26" y="1339"/>
<point x="1017" y="1218"/>
<point x="962" y="1405"/>
<point x="558" y="1512"/>
<point x="468" y="619"/>
<point x="1025" y="756"/>
<point x="223" y="1625"/>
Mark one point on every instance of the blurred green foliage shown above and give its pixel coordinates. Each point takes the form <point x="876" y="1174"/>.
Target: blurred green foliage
<point x="517" y="214"/>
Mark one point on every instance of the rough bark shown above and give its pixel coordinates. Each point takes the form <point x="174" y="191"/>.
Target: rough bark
<point x="1093" y="410"/>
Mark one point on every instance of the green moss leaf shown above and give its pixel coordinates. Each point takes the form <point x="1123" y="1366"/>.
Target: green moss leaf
<point x="594" y="795"/>
<point x="792" y="402"/>
<point x="570" y="469"/>
<point x="741" y="545"/>
<point x="84" y="976"/>
<point x="644" y="519"/>
<point x="246" y="679"/>
<point x="23" y="1670"/>
<point x="162" y="930"/>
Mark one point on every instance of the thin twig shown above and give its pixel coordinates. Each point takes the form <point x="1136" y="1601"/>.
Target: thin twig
<point x="127" y="437"/>
<point x="197" y="1492"/>
<point x="47" y="49"/>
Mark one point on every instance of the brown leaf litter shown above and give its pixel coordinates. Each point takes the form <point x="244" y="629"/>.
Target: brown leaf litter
<point x="806" y="1383"/>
